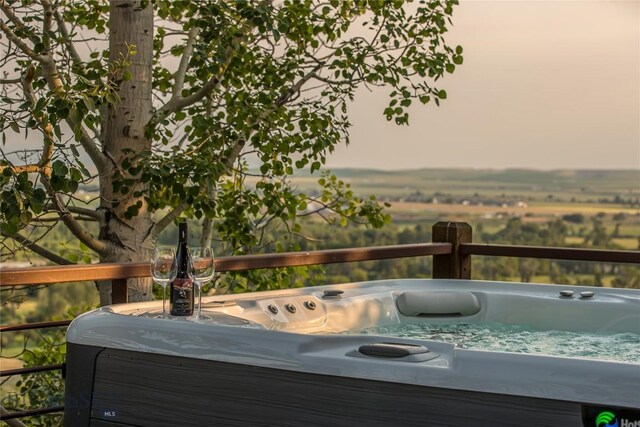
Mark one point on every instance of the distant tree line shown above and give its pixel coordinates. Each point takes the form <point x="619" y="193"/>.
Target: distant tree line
<point x="516" y="231"/>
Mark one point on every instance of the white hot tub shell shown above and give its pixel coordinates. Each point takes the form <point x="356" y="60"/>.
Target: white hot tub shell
<point x="281" y="358"/>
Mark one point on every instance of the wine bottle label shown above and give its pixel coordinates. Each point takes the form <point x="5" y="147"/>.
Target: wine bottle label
<point x="182" y="297"/>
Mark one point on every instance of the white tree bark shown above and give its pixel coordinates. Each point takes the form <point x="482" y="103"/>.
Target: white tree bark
<point x="124" y="140"/>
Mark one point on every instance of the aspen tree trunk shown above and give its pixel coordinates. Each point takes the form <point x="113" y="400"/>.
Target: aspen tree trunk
<point x="131" y="24"/>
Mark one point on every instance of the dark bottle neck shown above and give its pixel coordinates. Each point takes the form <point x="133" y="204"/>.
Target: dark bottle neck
<point x="182" y="232"/>
<point x="182" y="253"/>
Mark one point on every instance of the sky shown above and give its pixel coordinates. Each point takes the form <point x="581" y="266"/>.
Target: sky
<point x="544" y="85"/>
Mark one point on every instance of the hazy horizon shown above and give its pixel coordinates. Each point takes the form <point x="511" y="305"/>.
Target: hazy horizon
<point x="508" y="168"/>
<point x="544" y="85"/>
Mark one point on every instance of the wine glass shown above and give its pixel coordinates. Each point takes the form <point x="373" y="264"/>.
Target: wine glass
<point x="163" y="272"/>
<point x="202" y="270"/>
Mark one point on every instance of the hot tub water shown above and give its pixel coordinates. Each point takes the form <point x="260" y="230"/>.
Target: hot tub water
<point x="621" y="347"/>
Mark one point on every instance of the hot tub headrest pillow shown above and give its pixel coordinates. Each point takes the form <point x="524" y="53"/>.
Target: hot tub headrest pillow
<point x="438" y="303"/>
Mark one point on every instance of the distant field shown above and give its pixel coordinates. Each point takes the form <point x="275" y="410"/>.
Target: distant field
<point x="579" y="185"/>
<point x="491" y="197"/>
<point x="628" y="243"/>
<point x="548" y="209"/>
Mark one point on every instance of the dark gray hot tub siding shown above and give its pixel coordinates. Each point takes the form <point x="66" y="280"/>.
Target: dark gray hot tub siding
<point x="144" y="389"/>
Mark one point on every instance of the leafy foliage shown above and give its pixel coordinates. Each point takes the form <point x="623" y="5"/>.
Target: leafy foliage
<point x="230" y="88"/>
<point x="44" y="389"/>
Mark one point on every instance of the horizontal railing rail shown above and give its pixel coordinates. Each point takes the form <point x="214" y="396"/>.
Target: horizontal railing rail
<point x="114" y="271"/>
<point x="574" y="254"/>
<point x="451" y="250"/>
<point x="30" y="370"/>
<point x="30" y="412"/>
<point x="34" y="325"/>
<point x="33" y="276"/>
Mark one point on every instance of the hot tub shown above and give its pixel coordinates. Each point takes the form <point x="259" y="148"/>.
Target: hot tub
<point x="326" y="356"/>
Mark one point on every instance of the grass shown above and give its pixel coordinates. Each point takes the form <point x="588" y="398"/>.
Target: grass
<point x="627" y="243"/>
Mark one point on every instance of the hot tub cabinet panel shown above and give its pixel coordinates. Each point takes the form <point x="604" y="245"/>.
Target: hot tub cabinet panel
<point x="142" y="389"/>
<point x="279" y="359"/>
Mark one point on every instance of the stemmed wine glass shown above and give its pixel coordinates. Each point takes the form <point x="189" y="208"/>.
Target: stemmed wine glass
<point x="163" y="271"/>
<point x="202" y="271"/>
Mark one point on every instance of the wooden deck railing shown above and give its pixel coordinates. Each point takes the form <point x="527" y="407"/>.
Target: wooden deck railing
<point x="451" y="249"/>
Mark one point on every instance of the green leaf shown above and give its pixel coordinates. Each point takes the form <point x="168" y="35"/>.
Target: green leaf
<point x="75" y="116"/>
<point x="57" y="183"/>
<point x="71" y="186"/>
<point x="75" y="175"/>
<point x="9" y="228"/>
<point x="14" y="126"/>
<point x="112" y="98"/>
<point x="59" y="168"/>
<point x="37" y="206"/>
<point x="25" y="217"/>
<point x="88" y="102"/>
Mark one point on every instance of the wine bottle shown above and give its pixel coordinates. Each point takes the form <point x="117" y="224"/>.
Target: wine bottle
<point x="181" y="289"/>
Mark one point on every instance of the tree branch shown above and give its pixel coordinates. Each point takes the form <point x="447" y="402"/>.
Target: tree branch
<point x="34" y="247"/>
<point x="233" y="155"/>
<point x="78" y="218"/>
<point x="9" y="81"/>
<point x="86" y="212"/>
<point x="52" y="77"/>
<point x="14" y="19"/>
<point x="22" y="168"/>
<point x="176" y="103"/>
<point x="335" y="82"/>
<point x="87" y="142"/>
<point x="46" y="24"/>
<point x="80" y="211"/>
<point x="207" y="224"/>
<point x="284" y="98"/>
<point x="12" y="16"/>
<point x="72" y="224"/>
<point x="75" y="56"/>
<point x="16" y="40"/>
<point x="184" y="63"/>
<point x="169" y="218"/>
<point x="44" y="164"/>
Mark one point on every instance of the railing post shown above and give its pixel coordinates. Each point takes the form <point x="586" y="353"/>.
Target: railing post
<point x="454" y="265"/>
<point x="119" y="291"/>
